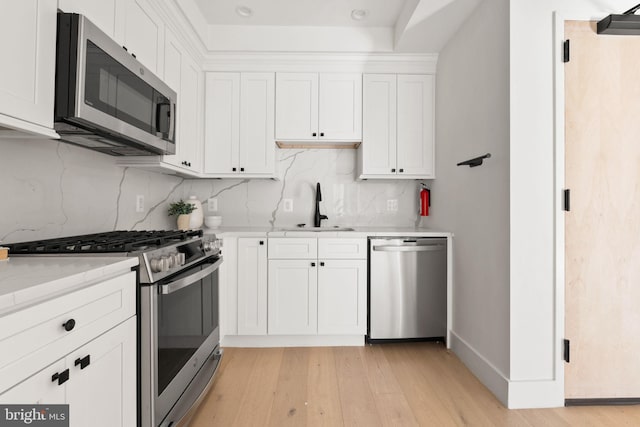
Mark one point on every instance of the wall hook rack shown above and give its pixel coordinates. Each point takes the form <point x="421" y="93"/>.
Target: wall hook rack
<point x="477" y="161"/>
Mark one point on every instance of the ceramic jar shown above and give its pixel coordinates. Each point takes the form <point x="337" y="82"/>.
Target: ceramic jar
<point x="196" y="217"/>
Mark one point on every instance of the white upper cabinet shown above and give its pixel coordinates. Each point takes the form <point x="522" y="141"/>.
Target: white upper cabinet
<point x="398" y="127"/>
<point x="239" y="138"/>
<point x="415" y="125"/>
<point x="318" y="107"/>
<point x="102" y="13"/>
<point x="141" y="31"/>
<point x="189" y="129"/>
<point x="28" y="49"/>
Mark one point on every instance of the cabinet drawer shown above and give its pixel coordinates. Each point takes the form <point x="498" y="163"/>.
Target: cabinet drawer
<point x="339" y="248"/>
<point x="293" y="248"/>
<point x="36" y="335"/>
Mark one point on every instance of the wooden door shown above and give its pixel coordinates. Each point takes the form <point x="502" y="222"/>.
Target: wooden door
<point x="602" y="253"/>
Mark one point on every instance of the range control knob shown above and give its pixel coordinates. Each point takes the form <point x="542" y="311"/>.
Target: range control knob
<point x="157" y="265"/>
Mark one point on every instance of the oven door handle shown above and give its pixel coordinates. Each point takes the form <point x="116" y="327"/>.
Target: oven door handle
<point x="189" y="280"/>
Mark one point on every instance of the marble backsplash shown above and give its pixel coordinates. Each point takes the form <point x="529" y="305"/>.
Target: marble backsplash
<point x="345" y="201"/>
<point x="52" y="189"/>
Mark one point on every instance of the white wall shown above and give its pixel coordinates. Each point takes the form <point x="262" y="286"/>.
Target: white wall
<point x="472" y="118"/>
<point x="536" y="370"/>
<point x="53" y="189"/>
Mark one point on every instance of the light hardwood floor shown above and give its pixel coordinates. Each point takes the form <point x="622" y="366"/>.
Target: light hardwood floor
<point x="380" y="385"/>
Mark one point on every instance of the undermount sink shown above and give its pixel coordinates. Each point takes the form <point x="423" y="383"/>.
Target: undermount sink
<point x="310" y="228"/>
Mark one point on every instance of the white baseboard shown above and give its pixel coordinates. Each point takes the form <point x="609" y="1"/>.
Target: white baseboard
<point x="512" y="394"/>
<point x="292" y="341"/>
<point x="488" y="374"/>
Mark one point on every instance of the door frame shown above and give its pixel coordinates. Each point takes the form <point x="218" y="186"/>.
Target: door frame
<point x="558" y="191"/>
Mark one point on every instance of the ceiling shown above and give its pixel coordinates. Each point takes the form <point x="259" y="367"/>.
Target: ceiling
<point x="315" y="13"/>
<point x="403" y="26"/>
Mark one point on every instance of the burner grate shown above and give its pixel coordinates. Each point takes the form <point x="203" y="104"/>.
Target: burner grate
<point x="109" y="242"/>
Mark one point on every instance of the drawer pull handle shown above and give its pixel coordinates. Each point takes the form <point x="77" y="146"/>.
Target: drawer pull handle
<point x="69" y="325"/>
<point x="84" y="362"/>
<point x="61" y="377"/>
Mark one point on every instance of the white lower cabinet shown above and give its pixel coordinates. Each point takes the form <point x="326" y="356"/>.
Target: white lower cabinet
<point x="78" y="349"/>
<point x="98" y="378"/>
<point x="293" y="297"/>
<point x="252" y="286"/>
<point x="342" y="297"/>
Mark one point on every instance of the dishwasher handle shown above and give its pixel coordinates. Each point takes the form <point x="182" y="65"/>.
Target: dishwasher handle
<point x="412" y="248"/>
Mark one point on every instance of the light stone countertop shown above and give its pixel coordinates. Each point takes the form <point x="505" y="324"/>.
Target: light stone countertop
<point x="25" y="280"/>
<point x="230" y="231"/>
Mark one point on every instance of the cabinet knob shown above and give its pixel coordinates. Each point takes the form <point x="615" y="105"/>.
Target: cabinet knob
<point x="69" y="325"/>
<point x="321" y="133"/>
<point x="125" y="48"/>
<point x="314" y="134"/>
<point x="233" y="169"/>
<point x="189" y="164"/>
<point x="134" y="55"/>
<point x="61" y="377"/>
<point x="322" y="264"/>
<point x="313" y="264"/>
<point x="241" y="169"/>
<point x="393" y="170"/>
<point x="261" y="242"/>
<point x="401" y="170"/>
<point x="84" y="362"/>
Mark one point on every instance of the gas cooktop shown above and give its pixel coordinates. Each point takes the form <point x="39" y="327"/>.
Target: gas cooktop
<point x="108" y="242"/>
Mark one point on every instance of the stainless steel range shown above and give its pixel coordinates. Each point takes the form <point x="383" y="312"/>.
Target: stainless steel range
<point x="178" y="316"/>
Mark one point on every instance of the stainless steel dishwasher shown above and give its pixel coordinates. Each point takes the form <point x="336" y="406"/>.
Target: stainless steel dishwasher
<point x="407" y="288"/>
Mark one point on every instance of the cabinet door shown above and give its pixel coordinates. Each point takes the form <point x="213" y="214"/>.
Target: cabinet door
<point x="101" y="13"/>
<point x="222" y="122"/>
<point x="342" y="297"/>
<point x="293" y="297"/>
<point x="173" y="53"/>
<point x="252" y="286"/>
<point x="103" y="393"/>
<point x="257" y="145"/>
<point x="39" y="388"/>
<point x="297" y="106"/>
<point x="28" y="48"/>
<point x="340" y="105"/>
<point x="416" y="125"/>
<point x="190" y="122"/>
<point x="379" y="125"/>
<point x="142" y="34"/>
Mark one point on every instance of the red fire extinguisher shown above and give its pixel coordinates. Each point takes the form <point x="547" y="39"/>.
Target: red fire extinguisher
<point x="425" y="200"/>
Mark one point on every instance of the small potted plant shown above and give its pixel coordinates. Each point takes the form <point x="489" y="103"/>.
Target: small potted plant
<point x="183" y="210"/>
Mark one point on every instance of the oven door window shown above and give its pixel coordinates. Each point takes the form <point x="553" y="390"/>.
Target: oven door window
<point x="186" y="317"/>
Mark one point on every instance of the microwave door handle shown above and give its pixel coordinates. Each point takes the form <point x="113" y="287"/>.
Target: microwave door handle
<point x="172" y="120"/>
<point x="189" y="280"/>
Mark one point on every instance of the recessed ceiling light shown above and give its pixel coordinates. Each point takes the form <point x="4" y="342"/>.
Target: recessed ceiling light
<point x="359" y="14"/>
<point x="244" y="11"/>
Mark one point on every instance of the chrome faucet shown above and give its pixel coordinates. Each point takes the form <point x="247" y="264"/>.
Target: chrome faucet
<point x="318" y="217"/>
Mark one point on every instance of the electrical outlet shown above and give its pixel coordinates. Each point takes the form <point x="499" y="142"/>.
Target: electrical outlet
<point x="140" y="203"/>
<point x="287" y="205"/>
<point x="392" y="205"/>
<point x="212" y="204"/>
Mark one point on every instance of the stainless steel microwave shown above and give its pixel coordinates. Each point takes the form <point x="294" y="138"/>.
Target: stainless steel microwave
<point x="106" y="100"/>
